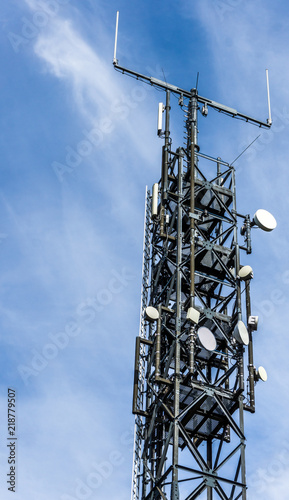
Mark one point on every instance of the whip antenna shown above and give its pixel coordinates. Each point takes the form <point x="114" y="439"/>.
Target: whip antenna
<point x="269" y="121"/>
<point x="115" y="61"/>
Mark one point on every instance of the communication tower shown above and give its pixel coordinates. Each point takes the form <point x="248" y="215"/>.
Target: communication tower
<point x="194" y="369"/>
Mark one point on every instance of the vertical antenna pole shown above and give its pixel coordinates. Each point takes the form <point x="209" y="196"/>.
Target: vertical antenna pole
<point x="115" y="61"/>
<point x="193" y="144"/>
<point x="269" y="121"/>
<point x="166" y="146"/>
<point x="165" y="160"/>
<point x="250" y="351"/>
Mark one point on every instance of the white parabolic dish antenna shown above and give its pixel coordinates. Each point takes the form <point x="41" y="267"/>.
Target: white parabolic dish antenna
<point x="151" y="313"/>
<point x="265" y="220"/>
<point x="246" y="273"/>
<point x="262" y="373"/>
<point x="207" y="338"/>
<point x="241" y="333"/>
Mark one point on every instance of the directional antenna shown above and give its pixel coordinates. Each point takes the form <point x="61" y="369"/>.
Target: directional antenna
<point x="155" y="195"/>
<point x="253" y="322"/>
<point x="261" y="374"/>
<point x="245" y="273"/>
<point x="265" y="220"/>
<point x="241" y="333"/>
<point x="207" y="338"/>
<point x="160" y="118"/>
<point x="151" y="314"/>
<point x="193" y="315"/>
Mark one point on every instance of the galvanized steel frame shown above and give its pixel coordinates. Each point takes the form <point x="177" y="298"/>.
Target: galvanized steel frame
<point x="181" y="382"/>
<point x="186" y="397"/>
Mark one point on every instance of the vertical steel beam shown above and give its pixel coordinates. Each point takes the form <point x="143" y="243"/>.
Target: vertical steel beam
<point x="158" y="343"/>
<point x="209" y="445"/>
<point x="243" y="446"/>
<point x="192" y="131"/>
<point x="175" y="487"/>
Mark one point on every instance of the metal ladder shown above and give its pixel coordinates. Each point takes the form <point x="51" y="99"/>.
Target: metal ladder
<point x="138" y="428"/>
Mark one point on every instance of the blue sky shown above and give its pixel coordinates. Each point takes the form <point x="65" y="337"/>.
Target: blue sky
<point x="78" y="146"/>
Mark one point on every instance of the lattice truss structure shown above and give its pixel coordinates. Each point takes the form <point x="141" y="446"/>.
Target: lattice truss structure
<point x="189" y="390"/>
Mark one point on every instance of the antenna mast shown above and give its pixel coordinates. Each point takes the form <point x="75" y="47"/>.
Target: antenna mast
<point x="269" y="121"/>
<point x="115" y="61"/>
<point x="189" y="386"/>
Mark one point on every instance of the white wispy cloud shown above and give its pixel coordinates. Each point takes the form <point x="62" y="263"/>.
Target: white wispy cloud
<point x="96" y="90"/>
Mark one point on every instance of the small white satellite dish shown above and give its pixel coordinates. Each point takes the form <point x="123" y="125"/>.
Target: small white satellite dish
<point x="245" y="273"/>
<point x="151" y="314"/>
<point x="265" y="220"/>
<point x="241" y="333"/>
<point x="262" y="374"/>
<point x="207" y="338"/>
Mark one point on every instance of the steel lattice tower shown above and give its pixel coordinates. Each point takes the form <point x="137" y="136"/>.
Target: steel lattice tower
<point x="195" y="347"/>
